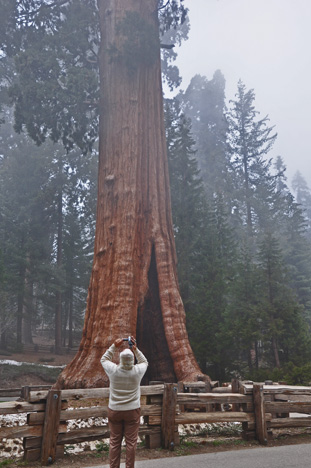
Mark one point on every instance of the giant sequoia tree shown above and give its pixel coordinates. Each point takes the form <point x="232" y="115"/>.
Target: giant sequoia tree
<point x="134" y="287"/>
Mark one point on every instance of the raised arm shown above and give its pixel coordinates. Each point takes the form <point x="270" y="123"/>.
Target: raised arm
<point x="141" y="359"/>
<point x="108" y="355"/>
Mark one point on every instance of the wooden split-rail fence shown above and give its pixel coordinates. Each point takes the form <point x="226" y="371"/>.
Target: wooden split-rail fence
<point x="259" y="407"/>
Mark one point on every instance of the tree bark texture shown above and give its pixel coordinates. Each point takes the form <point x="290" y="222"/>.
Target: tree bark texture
<point x="134" y="286"/>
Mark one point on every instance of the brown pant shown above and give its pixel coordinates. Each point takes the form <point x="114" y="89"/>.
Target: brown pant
<point x="123" y="423"/>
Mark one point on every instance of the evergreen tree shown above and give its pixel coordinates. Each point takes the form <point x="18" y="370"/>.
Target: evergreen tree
<point x="79" y="230"/>
<point x="284" y="329"/>
<point x="303" y="196"/>
<point x="297" y="253"/>
<point x="249" y="141"/>
<point x="216" y="268"/>
<point x="242" y="324"/>
<point x="204" y="244"/>
<point x="291" y="227"/>
<point x="54" y="85"/>
<point x="187" y="197"/>
<point x="281" y="179"/>
<point x="204" y="103"/>
<point x="28" y="227"/>
<point x="24" y="224"/>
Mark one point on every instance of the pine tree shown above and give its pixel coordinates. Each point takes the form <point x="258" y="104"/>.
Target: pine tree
<point x="284" y="329"/>
<point x="204" y="244"/>
<point x="204" y="103"/>
<point x="281" y="179"/>
<point x="242" y="324"/>
<point x="297" y="253"/>
<point x="187" y="197"/>
<point x="24" y="224"/>
<point x="303" y="196"/>
<point x="216" y="271"/>
<point x="79" y="230"/>
<point x="249" y="141"/>
<point x="54" y="83"/>
<point x="28" y="227"/>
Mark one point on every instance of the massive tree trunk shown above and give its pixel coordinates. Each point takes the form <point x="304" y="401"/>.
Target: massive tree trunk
<point x="134" y="287"/>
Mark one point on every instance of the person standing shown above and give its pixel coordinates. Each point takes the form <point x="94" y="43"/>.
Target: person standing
<point x="124" y="400"/>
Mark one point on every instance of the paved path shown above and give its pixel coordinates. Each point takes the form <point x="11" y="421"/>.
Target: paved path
<point x="289" y="456"/>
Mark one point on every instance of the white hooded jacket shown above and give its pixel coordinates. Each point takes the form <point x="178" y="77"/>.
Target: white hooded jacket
<point x="124" y="378"/>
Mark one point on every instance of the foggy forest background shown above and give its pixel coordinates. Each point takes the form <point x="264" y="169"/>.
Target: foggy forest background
<point x="242" y="230"/>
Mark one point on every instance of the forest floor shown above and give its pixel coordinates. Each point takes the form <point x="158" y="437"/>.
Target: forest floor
<point x="34" y="373"/>
<point x="37" y="368"/>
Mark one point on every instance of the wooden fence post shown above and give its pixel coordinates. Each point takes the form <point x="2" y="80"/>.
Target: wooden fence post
<point x="25" y="392"/>
<point x="51" y="427"/>
<point x="180" y="389"/>
<point x="260" y="414"/>
<point x="153" y="440"/>
<point x="235" y="388"/>
<point x="168" y="416"/>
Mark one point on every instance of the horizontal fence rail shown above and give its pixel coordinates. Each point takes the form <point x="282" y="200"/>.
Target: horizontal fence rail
<point x="258" y="407"/>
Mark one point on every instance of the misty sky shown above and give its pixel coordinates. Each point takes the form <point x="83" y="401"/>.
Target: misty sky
<point x="267" y="44"/>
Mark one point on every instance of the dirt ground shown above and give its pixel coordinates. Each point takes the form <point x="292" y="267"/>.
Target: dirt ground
<point x="21" y="379"/>
<point x="40" y="358"/>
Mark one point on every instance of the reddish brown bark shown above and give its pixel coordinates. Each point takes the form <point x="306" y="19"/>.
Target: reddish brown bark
<point x="134" y="287"/>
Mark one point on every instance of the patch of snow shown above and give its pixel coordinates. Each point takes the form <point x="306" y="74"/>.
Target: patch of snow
<point x="12" y="447"/>
<point x="17" y="363"/>
<point x="299" y="415"/>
